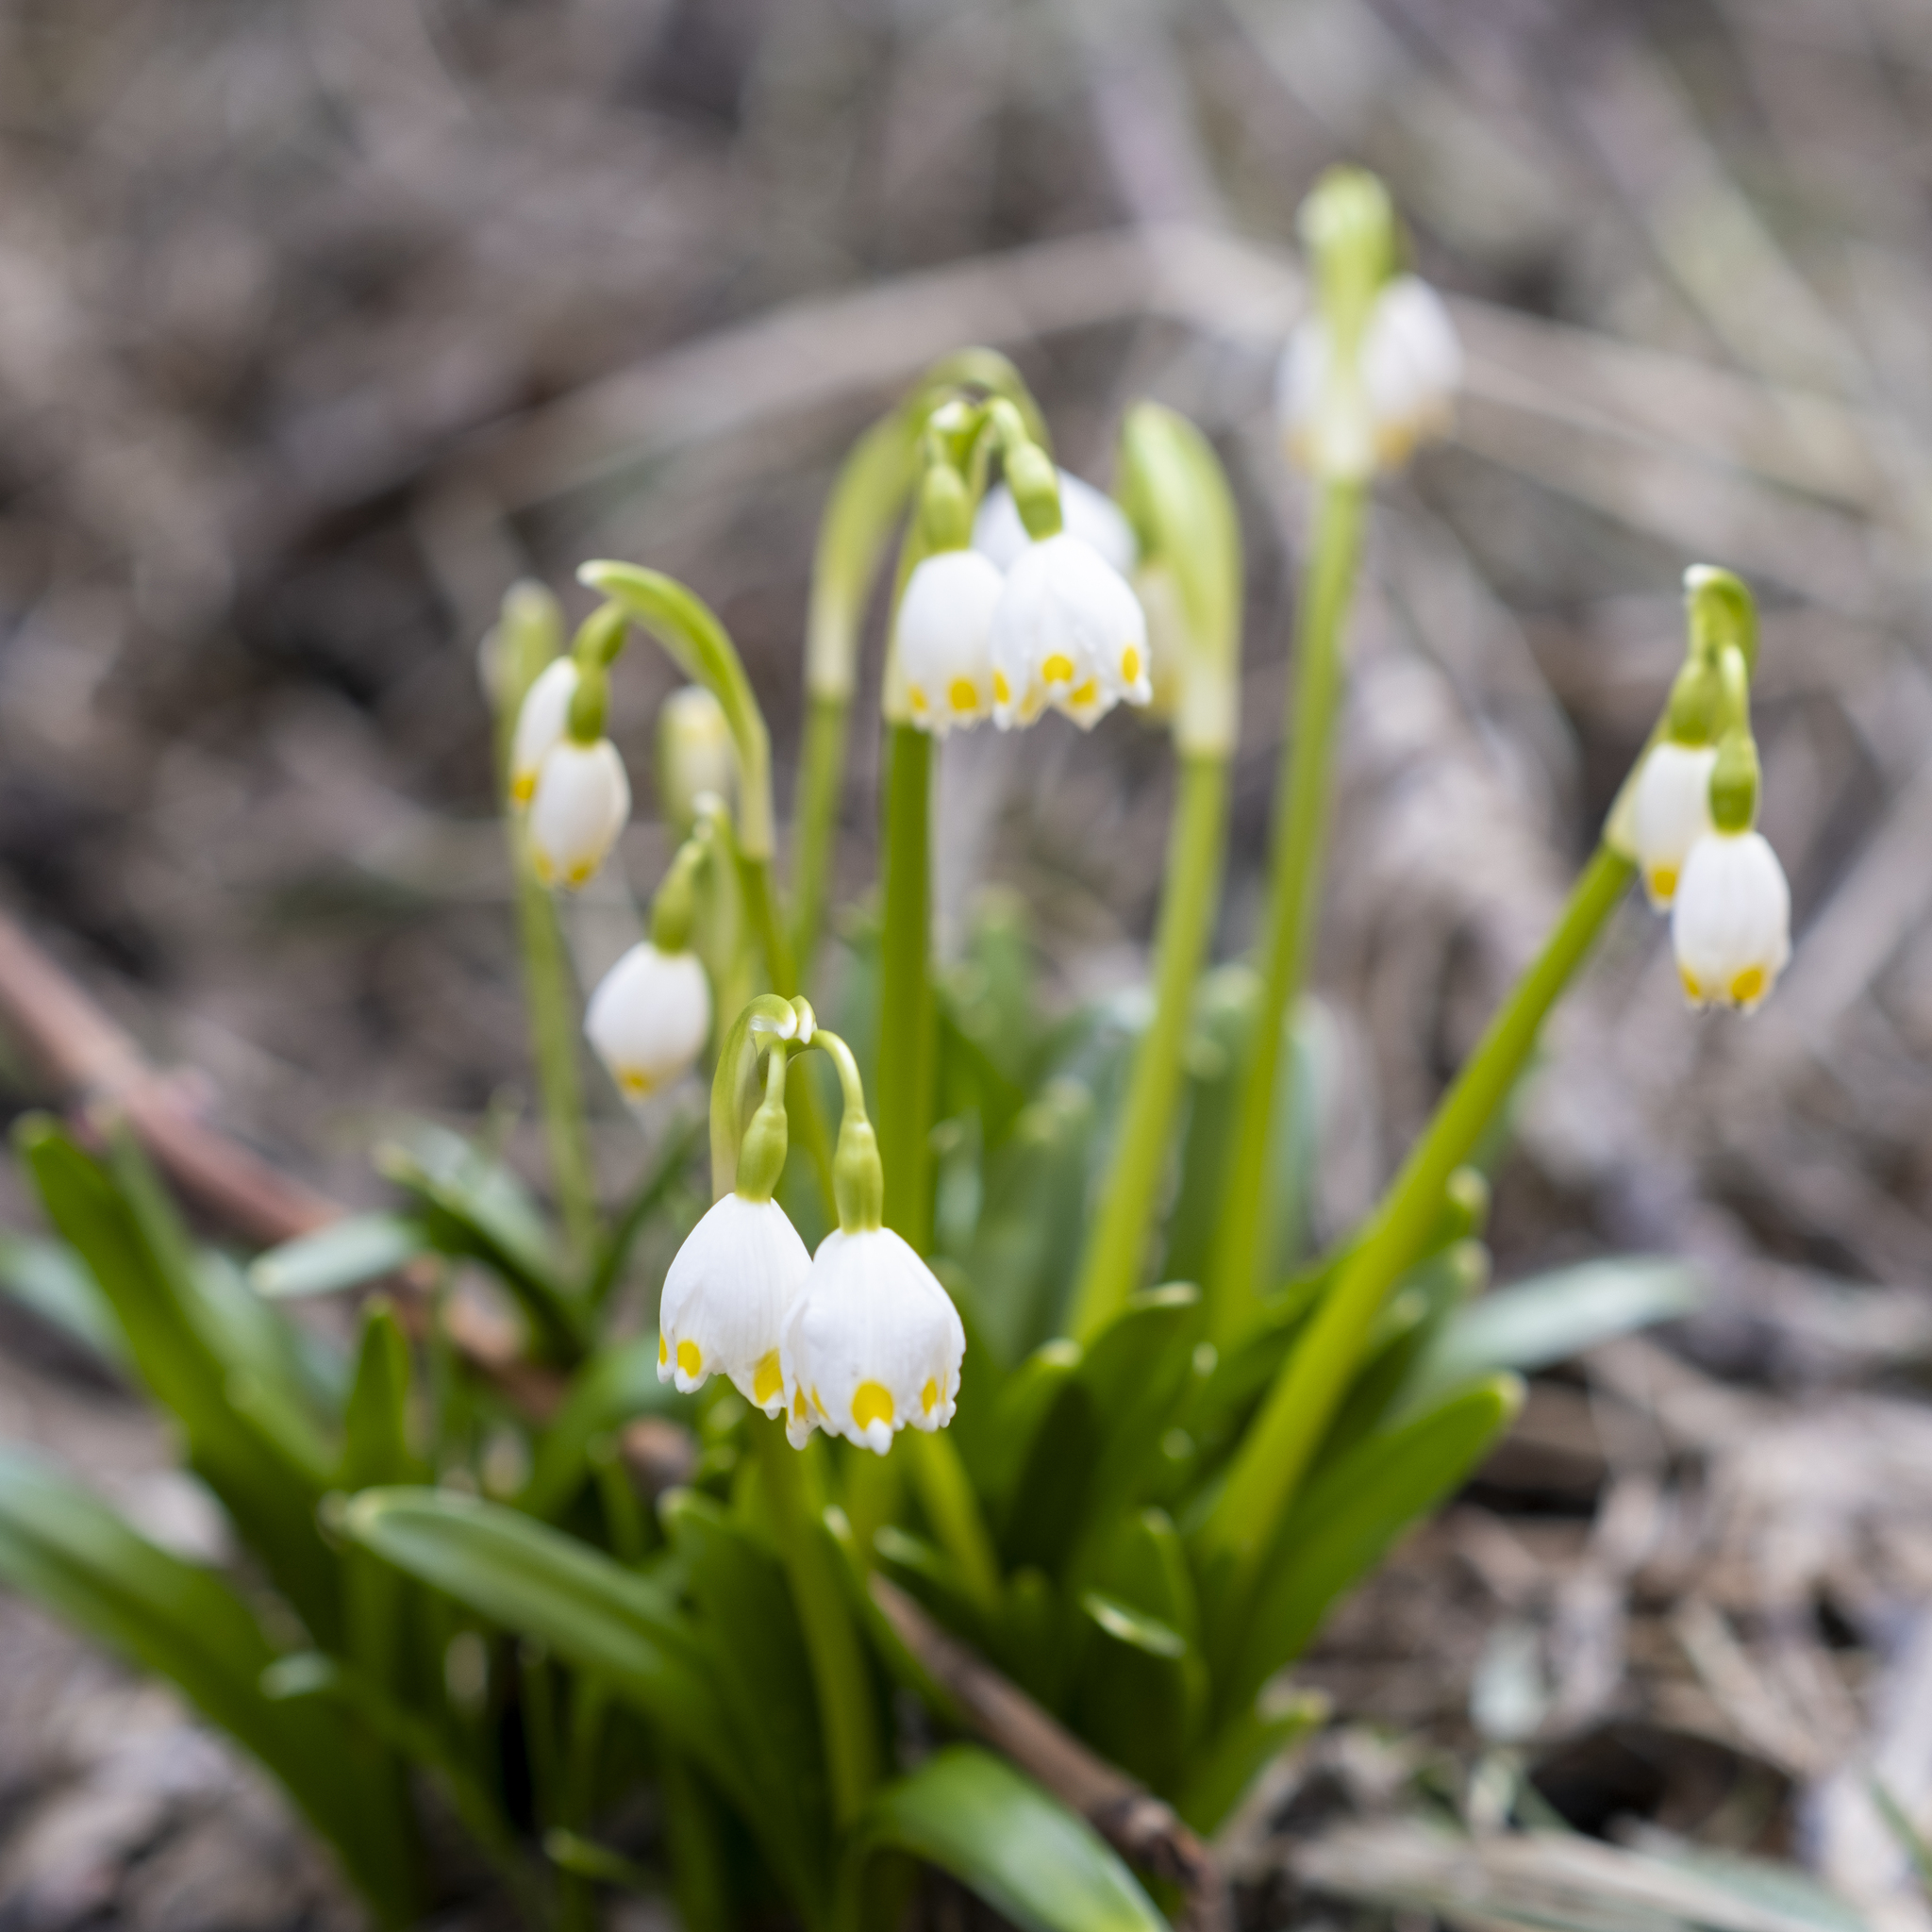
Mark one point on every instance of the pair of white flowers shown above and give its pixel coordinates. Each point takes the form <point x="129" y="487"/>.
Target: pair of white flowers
<point x="577" y="796"/>
<point x="1013" y="626"/>
<point x="859" y="1341"/>
<point x="1725" y="891"/>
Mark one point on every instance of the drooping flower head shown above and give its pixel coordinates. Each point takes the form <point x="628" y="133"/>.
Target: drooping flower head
<point x="1670" y="812"/>
<point x="1731" y="920"/>
<point x="943" y="635"/>
<point x="1068" y="632"/>
<point x="649" y="1018"/>
<point x="873" y="1344"/>
<point x="731" y="1284"/>
<point x="582" y="803"/>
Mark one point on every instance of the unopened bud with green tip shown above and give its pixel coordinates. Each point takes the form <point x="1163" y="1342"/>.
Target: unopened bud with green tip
<point x="1035" y="484"/>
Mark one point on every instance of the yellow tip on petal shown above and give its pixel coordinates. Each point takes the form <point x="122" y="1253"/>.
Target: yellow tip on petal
<point x="798" y="1408"/>
<point x="1002" y="691"/>
<point x="691" y="1359"/>
<point x="1749" y="987"/>
<point x="872" y="1402"/>
<point x="916" y="692"/>
<point x="522" y="788"/>
<point x="539" y="864"/>
<point x="962" y="695"/>
<point x="1130" y="666"/>
<point x="1059" y="669"/>
<point x="1692" y="990"/>
<point x="580" y="874"/>
<point x="663" y="1351"/>
<point x="929" y="1396"/>
<point x="766" y="1381"/>
<point x="1086" y="694"/>
<point x="634" y="1083"/>
<point x="1663" y="885"/>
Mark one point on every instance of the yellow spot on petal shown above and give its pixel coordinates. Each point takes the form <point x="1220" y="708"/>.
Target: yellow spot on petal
<point x="1059" y="669"/>
<point x="1087" y="694"/>
<point x="872" y="1402"/>
<point x="635" y="1082"/>
<point x="963" y="696"/>
<point x="1130" y="666"/>
<point x="540" y="865"/>
<point x="930" y="1395"/>
<point x="1002" y="691"/>
<point x="691" y="1359"/>
<point x="1692" y="989"/>
<point x="766" y="1381"/>
<point x="1663" y="884"/>
<point x="917" y="693"/>
<point x="663" y="1351"/>
<point x="817" y="1402"/>
<point x="580" y="873"/>
<point x="1747" y="989"/>
<point x="798" y="1408"/>
<point x="522" y="788"/>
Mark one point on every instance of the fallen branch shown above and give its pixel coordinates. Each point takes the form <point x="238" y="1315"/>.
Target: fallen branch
<point x="1142" y="1827"/>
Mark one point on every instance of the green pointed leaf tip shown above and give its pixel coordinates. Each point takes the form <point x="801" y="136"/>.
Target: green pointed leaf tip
<point x="345" y="1254"/>
<point x="1020" y="1850"/>
<point x="1548" y="1319"/>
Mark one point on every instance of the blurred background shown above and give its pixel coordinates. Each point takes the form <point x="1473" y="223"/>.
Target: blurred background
<point x="320" y="324"/>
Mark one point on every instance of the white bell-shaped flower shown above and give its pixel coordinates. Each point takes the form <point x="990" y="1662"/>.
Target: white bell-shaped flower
<point x="725" y="1298"/>
<point x="871" y="1345"/>
<point x="944" y="638"/>
<point x="1731" y="920"/>
<point x="1085" y="512"/>
<point x="1068" y="631"/>
<point x="649" y="1018"/>
<point x="1669" y="812"/>
<point x="1411" y="368"/>
<point x="582" y="803"/>
<point x="541" y="725"/>
<point x="695" y="753"/>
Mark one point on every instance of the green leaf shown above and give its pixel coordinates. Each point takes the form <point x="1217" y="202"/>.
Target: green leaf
<point x="1220" y="1776"/>
<point x="592" y="1613"/>
<point x="764" y="1677"/>
<point x="344" y="1253"/>
<point x="478" y="1208"/>
<point x="375" y="1432"/>
<point x="268" y="1475"/>
<point x="1347" y="1517"/>
<point x="1030" y="1858"/>
<point x="1553" y="1316"/>
<point x="614" y="1386"/>
<point x="71" y="1553"/>
<point x="48" y="1280"/>
<point x="1049" y="1439"/>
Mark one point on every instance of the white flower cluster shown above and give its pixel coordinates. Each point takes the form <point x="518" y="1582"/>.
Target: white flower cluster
<point x="1408" y="368"/>
<point x="1013" y="626"/>
<point x="1725" y="891"/>
<point x="859" y="1341"/>
<point x="577" y="796"/>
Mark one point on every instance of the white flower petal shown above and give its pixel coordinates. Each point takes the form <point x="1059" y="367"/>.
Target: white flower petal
<point x="649" y="1018"/>
<point x="725" y="1298"/>
<point x="582" y="803"/>
<point x="1068" y="631"/>
<point x="1731" y="920"/>
<point x="541" y="725"/>
<point x="1670" y="812"/>
<point x="1085" y="512"/>
<point x="945" y="639"/>
<point x="871" y="1345"/>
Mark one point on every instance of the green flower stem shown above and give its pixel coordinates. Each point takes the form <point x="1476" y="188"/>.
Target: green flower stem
<point x="815" y="820"/>
<point x="847" y="1713"/>
<point x="945" y="1493"/>
<point x="1301" y="817"/>
<point x="527" y="636"/>
<point x="1242" y="1526"/>
<point x="1117" y="1246"/>
<point x="551" y="997"/>
<point x="907" y="1052"/>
